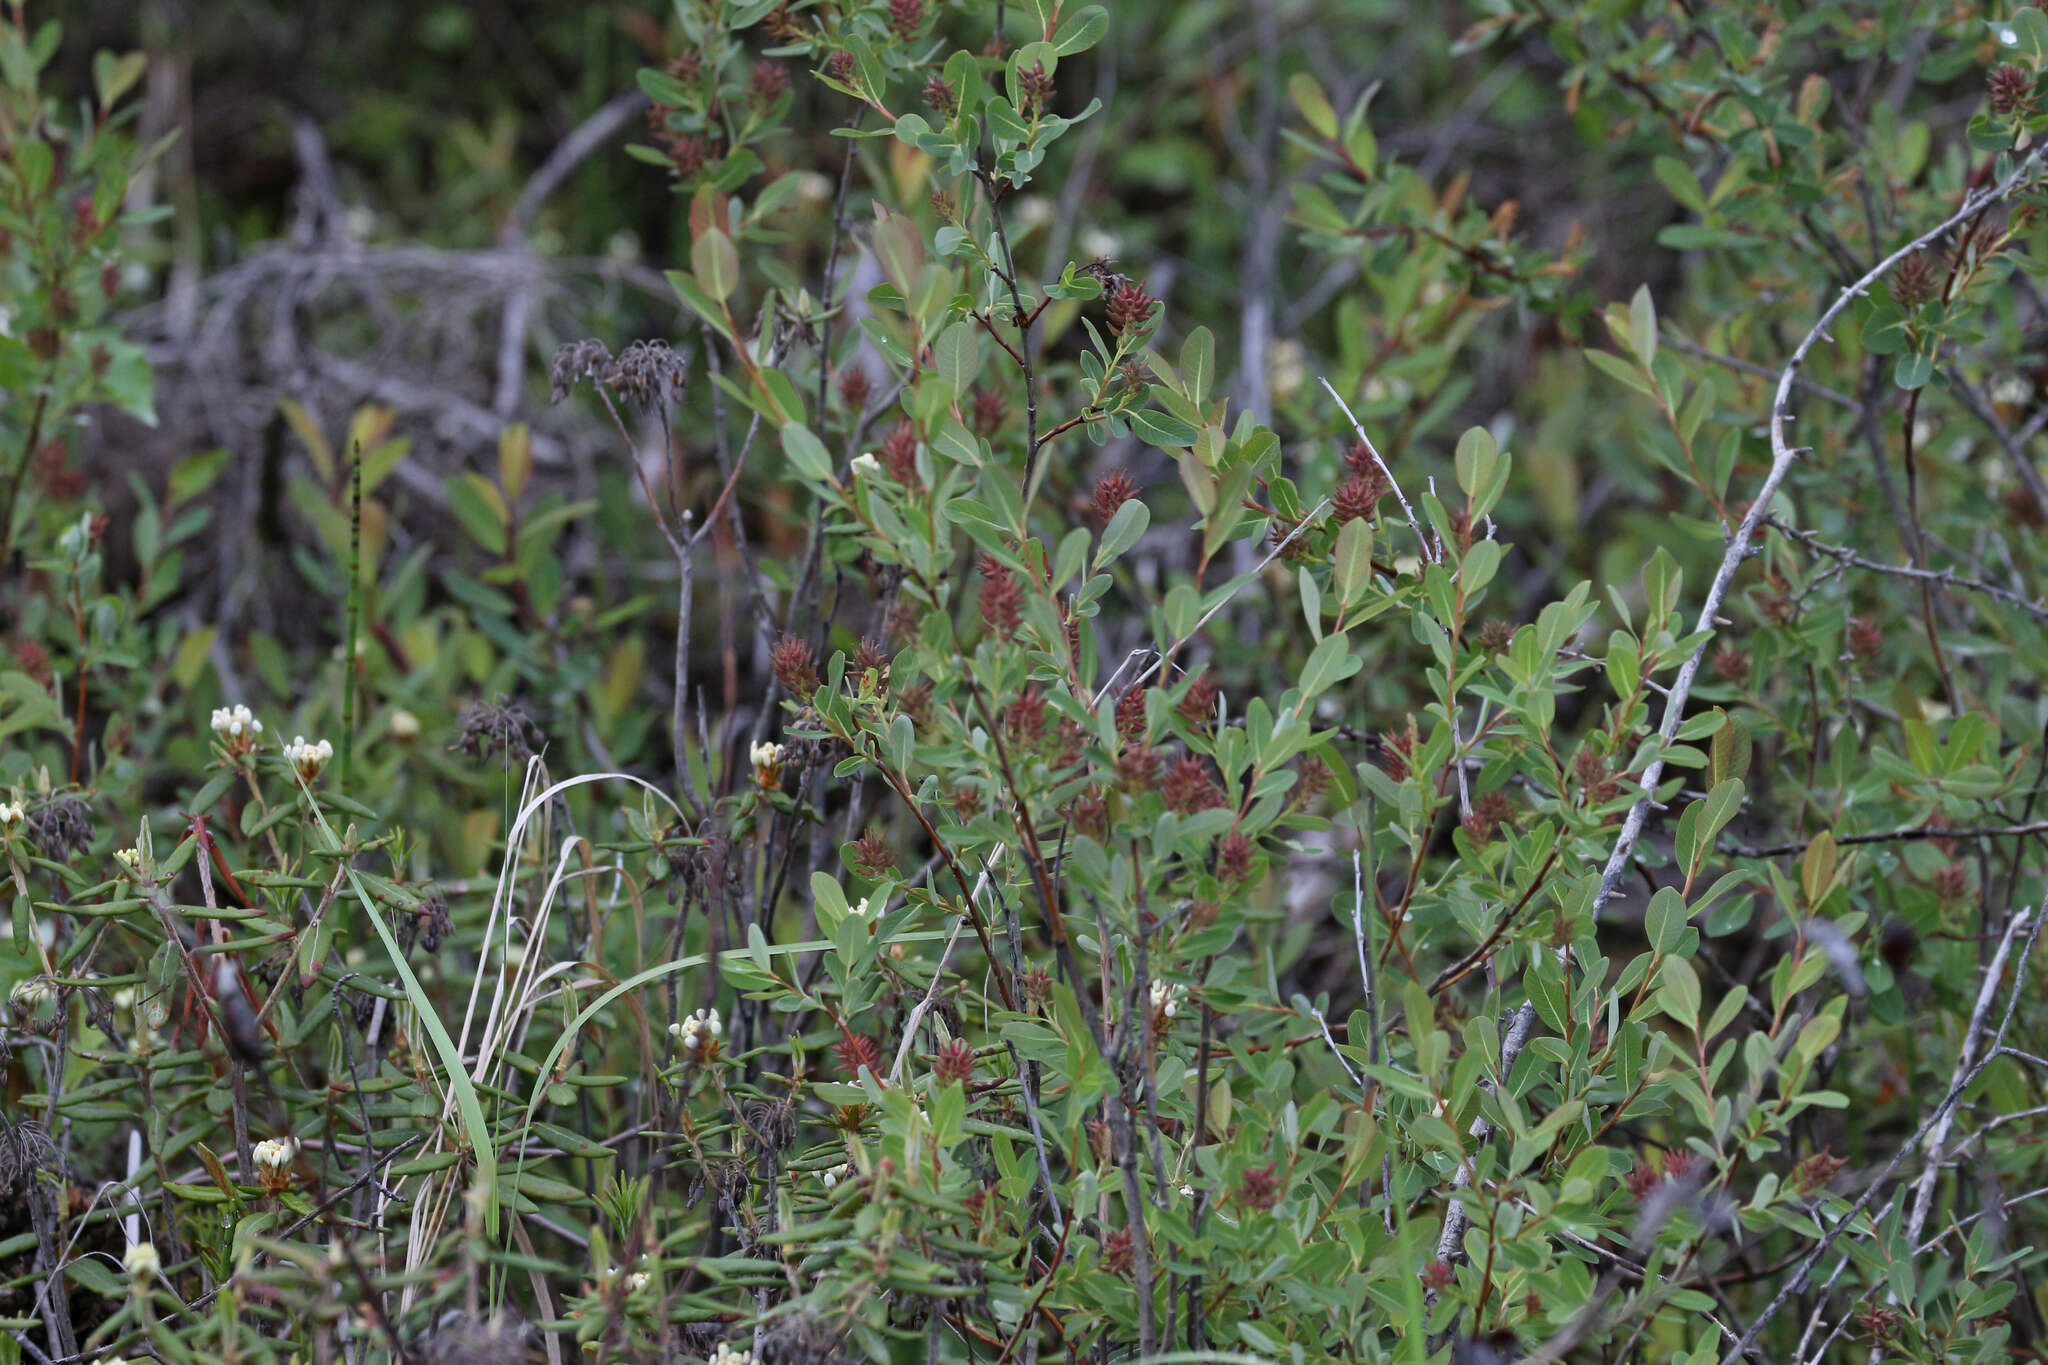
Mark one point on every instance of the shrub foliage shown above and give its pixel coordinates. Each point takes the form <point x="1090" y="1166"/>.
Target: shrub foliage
<point x="1008" y="817"/>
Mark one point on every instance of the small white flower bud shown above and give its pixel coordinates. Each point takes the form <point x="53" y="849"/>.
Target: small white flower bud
<point x="142" y="1262"/>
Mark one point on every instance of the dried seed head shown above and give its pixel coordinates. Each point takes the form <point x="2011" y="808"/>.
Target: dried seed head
<point x="1188" y="787"/>
<point x="1131" y="309"/>
<point x="686" y="66"/>
<point x="499" y="727"/>
<point x="1090" y="814"/>
<point x="988" y="412"/>
<point x="1489" y="813"/>
<point x="1024" y="718"/>
<point x="2012" y="91"/>
<point x="954" y="1063"/>
<point x="577" y="362"/>
<point x="854" y="388"/>
<point x="870" y="657"/>
<point x="1358" y="496"/>
<point x="1259" y="1188"/>
<point x="1198" y="707"/>
<point x="1730" y="665"/>
<point x="648" y="374"/>
<point x="856" y="1051"/>
<point x="1130" y="714"/>
<point x="1397" y="750"/>
<point x="1315" y="776"/>
<point x="795" y="667"/>
<point x="899" y="453"/>
<point x="1815" y="1171"/>
<point x="1112" y="491"/>
<point x="1034" y="84"/>
<point x="871" y="855"/>
<point x="905" y="16"/>
<point x="1913" y="281"/>
<point x="1117" y="1256"/>
<point x="1234" y="857"/>
<point x="1002" y="598"/>
<point x="770" y="81"/>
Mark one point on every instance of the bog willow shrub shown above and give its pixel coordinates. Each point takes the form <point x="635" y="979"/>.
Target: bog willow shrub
<point x="1175" y="885"/>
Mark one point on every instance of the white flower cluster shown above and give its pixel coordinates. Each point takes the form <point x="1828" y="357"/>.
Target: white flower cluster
<point x="860" y="911"/>
<point x="274" y="1154"/>
<point x="309" y="759"/>
<point x="728" y="1354"/>
<point x="237" y="727"/>
<point x="130" y="860"/>
<point x="696" y="1031"/>
<point x="865" y="465"/>
<point x="11" y="813"/>
<point x="834" y="1176"/>
<point x="1167" y="998"/>
<point x="767" y="760"/>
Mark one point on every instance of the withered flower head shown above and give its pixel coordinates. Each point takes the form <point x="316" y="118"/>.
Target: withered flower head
<point x="578" y="361"/>
<point x="648" y="374"/>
